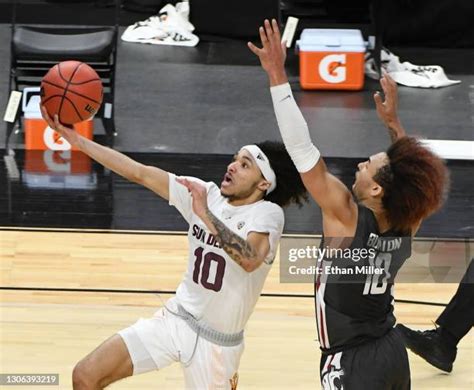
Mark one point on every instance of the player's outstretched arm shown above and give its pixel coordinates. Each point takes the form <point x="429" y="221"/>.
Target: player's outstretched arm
<point x="330" y="193"/>
<point x="387" y="110"/>
<point x="151" y="177"/>
<point x="249" y="253"/>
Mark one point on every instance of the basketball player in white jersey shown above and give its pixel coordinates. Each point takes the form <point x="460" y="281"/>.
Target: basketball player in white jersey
<point x="233" y="236"/>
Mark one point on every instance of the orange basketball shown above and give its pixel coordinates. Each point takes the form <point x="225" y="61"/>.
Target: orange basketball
<point x="73" y="91"/>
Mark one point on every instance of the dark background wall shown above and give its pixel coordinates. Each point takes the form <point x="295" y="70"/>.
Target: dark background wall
<point x="429" y="23"/>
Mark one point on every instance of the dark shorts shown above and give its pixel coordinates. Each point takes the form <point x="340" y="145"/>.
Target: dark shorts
<point x="381" y="364"/>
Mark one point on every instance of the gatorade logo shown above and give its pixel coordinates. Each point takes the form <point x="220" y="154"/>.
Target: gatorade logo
<point x="58" y="162"/>
<point x="54" y="141"/>
<point x="332" y="68"/>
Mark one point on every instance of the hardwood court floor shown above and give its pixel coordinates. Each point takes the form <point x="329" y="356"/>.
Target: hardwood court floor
<point x="49" y="331"/>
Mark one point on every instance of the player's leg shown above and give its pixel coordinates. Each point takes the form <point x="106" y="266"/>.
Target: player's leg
<point x="458" y="317"/>
<point x="439" y="346"/>
<point x="145" y="346"/>
<point x="385" y="363"/>
<point x="108" y="363"/>
<point x="381" y="364"/>
<point x="400" y="376"/>
<point x="212" y="366"/>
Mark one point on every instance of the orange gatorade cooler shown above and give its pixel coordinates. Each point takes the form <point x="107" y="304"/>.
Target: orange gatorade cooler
<point x="331" y="59"/>
<point x="38" y="135"/>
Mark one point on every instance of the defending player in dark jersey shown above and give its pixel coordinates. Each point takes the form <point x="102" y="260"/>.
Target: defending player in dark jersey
<point x="392" y="193"/>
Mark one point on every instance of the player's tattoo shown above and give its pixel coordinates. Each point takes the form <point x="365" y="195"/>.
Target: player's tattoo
<point x="234" y="245"/>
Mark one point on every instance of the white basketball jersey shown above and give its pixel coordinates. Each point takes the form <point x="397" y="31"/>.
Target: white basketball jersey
<point x="215" y="289"/>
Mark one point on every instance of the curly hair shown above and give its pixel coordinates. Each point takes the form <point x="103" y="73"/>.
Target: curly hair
<point x="415" y="183"/>
<point x="290" y="188"/>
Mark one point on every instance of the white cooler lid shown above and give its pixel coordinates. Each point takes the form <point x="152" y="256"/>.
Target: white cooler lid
<point x="31" y="104"/>
<point x="32" y="109"/>
<point x="329" y="39"/>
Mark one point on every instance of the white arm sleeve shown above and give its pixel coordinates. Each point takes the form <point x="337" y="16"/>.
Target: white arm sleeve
<point x="294" y="129"/>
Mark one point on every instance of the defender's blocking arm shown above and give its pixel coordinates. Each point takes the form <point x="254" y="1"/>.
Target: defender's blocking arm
<point x="387" y="110"/>
<point x="330" y="193"/>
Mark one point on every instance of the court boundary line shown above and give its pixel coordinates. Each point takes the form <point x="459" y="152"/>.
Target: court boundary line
<point x="127" y="231"/>
<point x="184" y="233"/>
<point x="172" y="292"/>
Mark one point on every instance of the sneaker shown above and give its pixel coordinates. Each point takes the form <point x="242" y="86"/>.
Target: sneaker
<point x="176" y="26"/>
<point x="430" y="346"/>
<point x="178" y="15"/>
<point x="144" y="30"/>
<point x="170" y="27"/>
<point x="174" y="36"/>
<point x="405" y="73"/>
<point x="389" y="62"/>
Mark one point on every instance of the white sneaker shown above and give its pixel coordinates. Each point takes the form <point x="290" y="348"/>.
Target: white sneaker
<point x="419" y="76"/>
<point x="183" y="10"/>
<point x="406" y="73"/>
<point x="176" y="37"/>
<point x="142" y="31"/>
<point x="170" y="27"/>
<point x="389" y="62"/>
<point x="178" y="16"/>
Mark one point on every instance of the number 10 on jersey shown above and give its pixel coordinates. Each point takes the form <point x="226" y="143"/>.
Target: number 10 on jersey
<point x="201" y="274"/>
<point x="373" y="285"/>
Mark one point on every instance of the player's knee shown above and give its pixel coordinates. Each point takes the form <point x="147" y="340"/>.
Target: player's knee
<point x="83" y="377"/>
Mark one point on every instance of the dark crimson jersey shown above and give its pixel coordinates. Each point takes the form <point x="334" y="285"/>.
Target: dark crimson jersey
<point x="353" y="286"/>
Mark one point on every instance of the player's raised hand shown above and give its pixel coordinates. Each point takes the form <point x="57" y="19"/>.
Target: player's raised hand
<point x="199" y="194"/>
<point x="272" y="54"/>
<point x="387" y="110"/>
<point x="67" y="133"/>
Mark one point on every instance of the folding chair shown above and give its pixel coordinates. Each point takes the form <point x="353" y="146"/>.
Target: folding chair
<point x="35" y="48"/>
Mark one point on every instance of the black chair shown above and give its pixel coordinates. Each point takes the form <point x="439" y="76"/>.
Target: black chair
<point x="37" y="44"/>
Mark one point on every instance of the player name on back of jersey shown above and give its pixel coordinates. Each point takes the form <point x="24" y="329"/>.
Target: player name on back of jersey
<point x="384" y="244"/>
<point x="204" y="236"/>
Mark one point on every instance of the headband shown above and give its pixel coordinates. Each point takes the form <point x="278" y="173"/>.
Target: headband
<point x="264" y="164"/>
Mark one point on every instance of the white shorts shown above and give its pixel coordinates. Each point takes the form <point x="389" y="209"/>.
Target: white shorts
<point x="156" y="342"/>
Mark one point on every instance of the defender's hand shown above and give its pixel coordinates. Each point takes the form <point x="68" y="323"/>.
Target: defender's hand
<point x="387" y="110"/>
<point x="67" y="133"/>
<point x="272" y="55"/>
